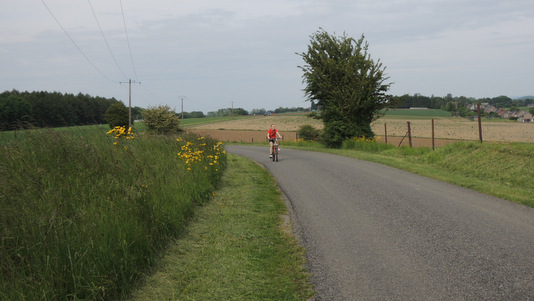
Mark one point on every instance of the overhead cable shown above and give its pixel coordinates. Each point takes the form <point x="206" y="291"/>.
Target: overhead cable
<point x="105" y="40"/>
<point x="79" y="49"/>
<point x="128" y="40"/>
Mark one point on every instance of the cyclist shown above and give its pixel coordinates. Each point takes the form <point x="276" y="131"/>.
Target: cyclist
<point x="272" y="134"/>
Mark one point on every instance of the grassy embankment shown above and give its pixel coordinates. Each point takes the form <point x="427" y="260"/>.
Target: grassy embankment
<point x="85" y="214"/>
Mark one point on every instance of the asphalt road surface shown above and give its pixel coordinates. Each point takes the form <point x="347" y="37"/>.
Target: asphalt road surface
<point x="378" y="233"/>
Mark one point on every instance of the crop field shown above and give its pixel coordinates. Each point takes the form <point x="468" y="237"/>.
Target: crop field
<point x="446" y="129"/>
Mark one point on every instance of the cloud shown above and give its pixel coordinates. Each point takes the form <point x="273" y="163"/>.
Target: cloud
<point x="218" y="52"/>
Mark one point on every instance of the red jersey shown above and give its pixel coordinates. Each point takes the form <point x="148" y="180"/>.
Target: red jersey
<point x="272" y="133"/>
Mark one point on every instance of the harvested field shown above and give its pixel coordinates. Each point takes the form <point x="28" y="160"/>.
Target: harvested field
<point x="284" y="123"/>
<point x="458" y="128"/>
<point x="446" y="129"/>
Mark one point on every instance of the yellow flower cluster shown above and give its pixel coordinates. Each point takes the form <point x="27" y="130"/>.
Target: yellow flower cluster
<point x="120" y="132"/>
<point x="200" y="152"/>
<point x="363" y="139"/>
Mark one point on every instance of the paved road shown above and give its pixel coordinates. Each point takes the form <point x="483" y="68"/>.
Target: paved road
<point x="377" y="233"/>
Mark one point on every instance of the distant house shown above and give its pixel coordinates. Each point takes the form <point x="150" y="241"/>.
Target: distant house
<point x="527" y="117"/>
<point x="513" y="114"/>
<point x="510" y="114"/>
<point x="472" y="107"/>
<point x="490" y="109"/>
<point x="523" y="116"/>
<point x="501" y="112"/>
<point x="486" y="108"/>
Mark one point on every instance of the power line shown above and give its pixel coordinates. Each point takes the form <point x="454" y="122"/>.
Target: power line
<point x="79" y="49"/>
<point x="128" y="40"/>
<point x="105" y="40"/>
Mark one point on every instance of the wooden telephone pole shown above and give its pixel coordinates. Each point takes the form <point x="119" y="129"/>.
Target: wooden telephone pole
<point x="130" y="101"/>
<point x="182" y="98"/>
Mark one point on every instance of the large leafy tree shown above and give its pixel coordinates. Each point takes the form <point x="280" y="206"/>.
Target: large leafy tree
<point x="348" y="87"/>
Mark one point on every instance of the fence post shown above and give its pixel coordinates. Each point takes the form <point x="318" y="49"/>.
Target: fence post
<point x="433" y="145"/>
<point x="386" y="132"/>
<point x="409" y="134"/>
<point x="479" y="122"/>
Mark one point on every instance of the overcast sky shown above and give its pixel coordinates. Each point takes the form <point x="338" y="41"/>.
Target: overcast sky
<point x="222" y="52"/>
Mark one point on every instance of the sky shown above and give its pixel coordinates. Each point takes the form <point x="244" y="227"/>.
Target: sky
<point x="213" y="54"/>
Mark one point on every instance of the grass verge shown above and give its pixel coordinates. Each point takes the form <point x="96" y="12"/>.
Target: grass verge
<point x="235" y="249"/>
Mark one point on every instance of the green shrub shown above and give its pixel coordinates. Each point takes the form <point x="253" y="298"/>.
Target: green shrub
<point x="308" y="133"/>
<point x="161" y="120"/>
<point x="338" y="131"/>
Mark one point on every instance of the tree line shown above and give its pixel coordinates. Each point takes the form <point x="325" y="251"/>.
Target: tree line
<point x="228" y="112"/>
<point x="243" y="112"/>
<point x="450" y="103"/>
<point x="19" y="110"/>
<point x="53" y="109"/>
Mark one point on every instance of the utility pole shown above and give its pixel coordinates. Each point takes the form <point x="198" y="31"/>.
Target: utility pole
<point x="182" y="97"/>
<point x="130" y="101"/>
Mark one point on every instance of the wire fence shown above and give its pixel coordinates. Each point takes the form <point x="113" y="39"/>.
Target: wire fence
<point x="415" y="133"/>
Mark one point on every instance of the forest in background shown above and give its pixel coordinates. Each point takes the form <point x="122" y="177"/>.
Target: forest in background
<point x="20" y="110"/>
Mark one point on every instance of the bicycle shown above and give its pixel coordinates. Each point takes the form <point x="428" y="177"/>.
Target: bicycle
<point x="276" y="150"/>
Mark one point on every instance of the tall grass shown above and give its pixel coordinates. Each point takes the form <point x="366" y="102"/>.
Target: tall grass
<point x="84" y="213"/>
<point x="365" y="144"/>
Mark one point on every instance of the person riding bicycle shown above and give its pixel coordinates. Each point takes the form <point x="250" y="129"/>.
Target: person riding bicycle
<point x="272" y="134"/>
